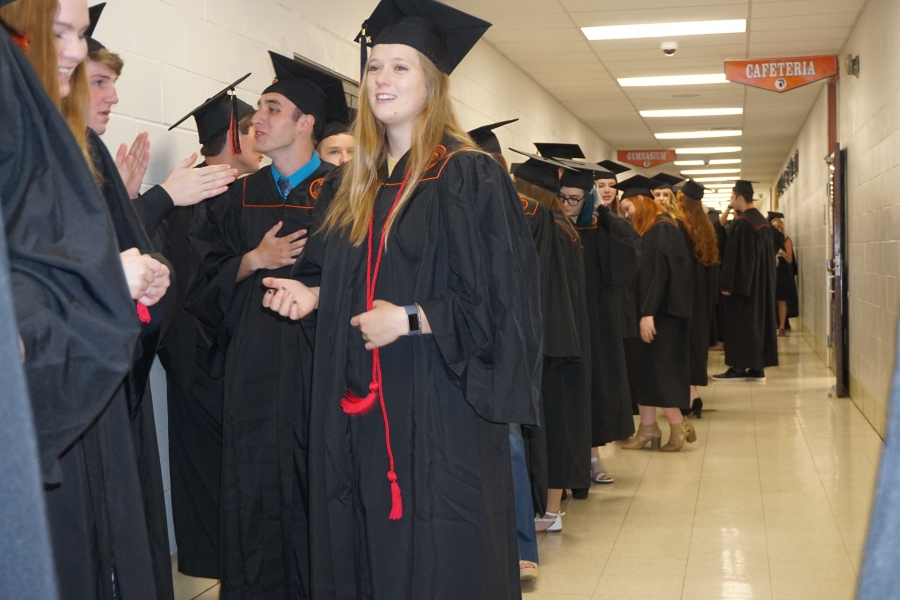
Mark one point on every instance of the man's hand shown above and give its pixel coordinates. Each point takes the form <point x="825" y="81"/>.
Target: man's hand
<point x="156" y="290"/>
<point x="188" y="186"/>
<point x="276" y="252"/>
<point x="140" y="271"/>
<point x="724" y="293"/>
<point x="290" y="298"/>
<point x="382" y="325"/>
<point x="648" y="329"/>
<point x="132" y="163"/>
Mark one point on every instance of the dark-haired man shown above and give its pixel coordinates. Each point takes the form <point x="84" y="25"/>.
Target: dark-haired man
<point x="257" y="230"/>
<point x="748" y="284"/>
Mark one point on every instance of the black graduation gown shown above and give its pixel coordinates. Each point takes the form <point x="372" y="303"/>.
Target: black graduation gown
<point x="786" y="286"/>
<point x="135" y="391"/>
<point x="194" y="367"/>
<point x="659" y="372"/>
<point x="79" y="327"/>
<point x="543" y="232"/>
<point x="23" y="516"/>
<point x="748" y="273"/>
<point x="263" y="543"/>
<point x="717" y="326"/>
<point x="566" y="382"/>
<point x="704" y="298"/>
<point x="461" y="249"/>
<point x="611" y="260"/>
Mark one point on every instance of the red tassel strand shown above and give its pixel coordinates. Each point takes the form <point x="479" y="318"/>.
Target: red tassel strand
<point x="352" y="404"/>
<point x="234" y="128"/>
<point x="143" y="313"/>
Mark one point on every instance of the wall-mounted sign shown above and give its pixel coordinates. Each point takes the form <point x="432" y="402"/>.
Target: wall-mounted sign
<point x="789" y="174"/>
<point x="646" y="158"/>
<point x="781" y="74"/>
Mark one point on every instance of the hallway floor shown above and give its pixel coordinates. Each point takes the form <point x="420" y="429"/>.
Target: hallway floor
<point x="771" y="503"/>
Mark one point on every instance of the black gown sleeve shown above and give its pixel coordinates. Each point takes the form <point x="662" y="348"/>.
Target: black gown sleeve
<point x="623" y="249"/>
<point x="153" y="207"/>
<point x="487" y="325"/>
<point x="654" y="276"/>
<point x="739" y="267"/>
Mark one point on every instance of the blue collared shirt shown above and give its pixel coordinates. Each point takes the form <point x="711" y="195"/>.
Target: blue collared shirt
<point x="298" y="177"/>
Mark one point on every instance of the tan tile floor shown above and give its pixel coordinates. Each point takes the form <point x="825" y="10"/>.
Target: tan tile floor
<point x="772" y="503"/>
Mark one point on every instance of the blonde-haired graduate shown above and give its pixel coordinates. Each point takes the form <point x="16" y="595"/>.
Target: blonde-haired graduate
<point x="428" y="335"/>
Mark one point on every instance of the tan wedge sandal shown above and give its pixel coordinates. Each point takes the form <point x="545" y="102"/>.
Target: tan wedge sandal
<point x="645" y="434"/>
<point x="679" y="433"/>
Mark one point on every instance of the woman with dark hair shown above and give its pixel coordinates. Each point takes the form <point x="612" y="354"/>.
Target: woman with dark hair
<point x="785" y="272"/>
<point x="700" y="238"/>
<point x="658" y="362"/>
<point x="427" y="336"/>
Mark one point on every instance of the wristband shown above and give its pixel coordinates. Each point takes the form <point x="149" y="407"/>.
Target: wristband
<point x="415" y="321"/>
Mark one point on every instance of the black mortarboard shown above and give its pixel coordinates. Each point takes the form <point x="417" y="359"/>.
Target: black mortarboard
<point x="774" y="215"/>
<point x="636" y="186"/>
<point x="666" y="181"/>
<point x="442" y="33"/>
<point x="94" y="12"/>
<point x="582" y="177"/>
<point x="611" y="170"/>
<point x="744" y="188"/>
<point x="713" y="211"/>
<point x="218" y="114"/>
<point x="540" y="171"/>
<point x="693" y="190"/>
<point x="554" y="150"/>
<point x="313" y="91"/>
<point x="486" y="139"/>
<point x="338" y="127"/>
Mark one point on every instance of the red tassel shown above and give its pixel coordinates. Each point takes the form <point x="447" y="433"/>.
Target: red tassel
<point x="352" y="404"/>
<point x="234" y="128"/>
<point x="396" y="501"/>
<point x="143" y="314"/>
<point x="21" y="40"/>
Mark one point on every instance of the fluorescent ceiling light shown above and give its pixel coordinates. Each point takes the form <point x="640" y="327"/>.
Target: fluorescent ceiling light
<point x="709" y="171"/>
<point x="672" y="80"/>
<point x="667" y="30"/>
<point x="706" y="179"/>
<point x="713" y="150"/>
<point x="695" y="135"/>
<point x="692" y="112"/>
<point x="725" y="161"/>
<point x="689" y="163"/>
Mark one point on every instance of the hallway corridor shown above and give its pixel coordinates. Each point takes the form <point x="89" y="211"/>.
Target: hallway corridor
<point x="771" y="503"/>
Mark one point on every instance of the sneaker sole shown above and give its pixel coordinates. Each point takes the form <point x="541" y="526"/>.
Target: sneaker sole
<point x="733" y="379"/>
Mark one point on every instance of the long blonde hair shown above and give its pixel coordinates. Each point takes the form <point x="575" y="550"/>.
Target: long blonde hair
<point x="352" y="205"/>
<point x="34" y="18"/>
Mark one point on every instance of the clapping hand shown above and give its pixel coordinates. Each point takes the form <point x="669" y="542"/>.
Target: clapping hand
<point x="132" y="163"/>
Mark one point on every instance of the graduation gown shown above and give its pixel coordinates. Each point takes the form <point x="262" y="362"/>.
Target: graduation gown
<point x="263" y="536"/>
<point x="194" y="366"/>
<point x="717" y="327"/>
<point x="461" y="249"/>
<point x="785" y="284"/>
<point x="611" y="260"/>
<point x="135" y="391"/>
<point x="79" y="328"/>
<point x="543" y="232"/>
<point x="748" y="273"/>
<point x="704" y="296"/>
<point x="659" y="372"/>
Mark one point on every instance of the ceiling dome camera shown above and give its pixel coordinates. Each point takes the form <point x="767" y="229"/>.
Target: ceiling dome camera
<point x="669" y="48"/>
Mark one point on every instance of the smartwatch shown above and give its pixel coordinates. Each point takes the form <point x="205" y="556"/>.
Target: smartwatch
<point x="415" y="322"/>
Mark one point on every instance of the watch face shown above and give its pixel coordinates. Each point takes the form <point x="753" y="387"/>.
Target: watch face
<point x="413" y="322"/>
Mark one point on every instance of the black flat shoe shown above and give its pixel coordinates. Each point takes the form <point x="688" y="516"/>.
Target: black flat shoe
<point x="731" y="374"/>
<point x="580" y="494"/>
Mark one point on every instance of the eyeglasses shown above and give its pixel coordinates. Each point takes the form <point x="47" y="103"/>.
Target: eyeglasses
<point x="570" y="200"/>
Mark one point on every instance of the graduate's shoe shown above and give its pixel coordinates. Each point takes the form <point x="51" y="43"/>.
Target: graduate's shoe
<point x="598" y="473"/>
<point x="696" y="409"/>
<point x="731" y="374"/>
<point x="756" y="375"/>
<point x="528" y="571"/>
<point x="679" y="433"/>
<point x="549" y="523"/>
<point x="580" y="493"/>
<point x="646" y="434"/>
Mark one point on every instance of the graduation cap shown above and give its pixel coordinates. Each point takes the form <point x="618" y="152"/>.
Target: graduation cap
<point x="693" y="190"/>
<point x="94" y="13"/>
<point x="339" y="127"/>
<point x="774" y="215"/>
<point x="540" y="171"/>
<point x="219" y="114"/>
<point x="485" y="138"/>
<point x="313" y="91"/>
<point x="744" y="188"/>
<point x="637" y="186"/>
<point x="554" y="150"/>
<point x="583" y="175"/>
<point x="442" y="33"/>
<point x="664" y="181"/>
<point x="611" y="170"/>
<point x="713" y="211"/>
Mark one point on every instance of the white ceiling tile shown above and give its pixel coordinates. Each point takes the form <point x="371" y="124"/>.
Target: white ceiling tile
<point x="843" y="19"/>
<point x="804" y="7"/>
<point x="537" y="21"/>
<point x="593" y="18"/>
<point x="529" y="47"/>
<point x="792" y="48"/>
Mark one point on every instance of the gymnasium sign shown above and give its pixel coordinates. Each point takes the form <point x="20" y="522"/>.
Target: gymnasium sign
<point x="781" y="74"/>
<point x="646" y="158"/>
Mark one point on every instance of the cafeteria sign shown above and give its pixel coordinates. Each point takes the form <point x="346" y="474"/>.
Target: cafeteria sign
<point x="646" y="158"/>
<point x="781" y="74"/>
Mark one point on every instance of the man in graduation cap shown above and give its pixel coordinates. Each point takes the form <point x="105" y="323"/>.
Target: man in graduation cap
<point x="337" y="143"/>
<point x="257" y="230"/>
<point x="748" y="283"/>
